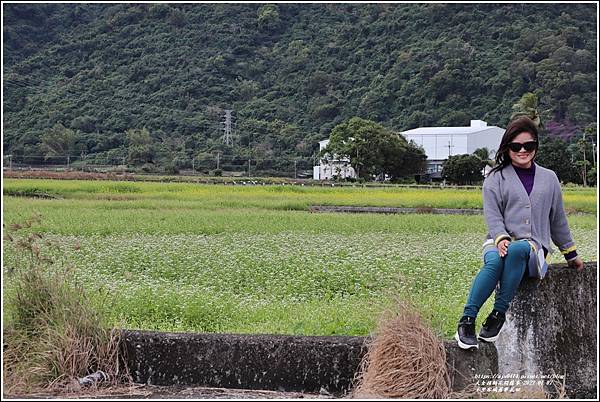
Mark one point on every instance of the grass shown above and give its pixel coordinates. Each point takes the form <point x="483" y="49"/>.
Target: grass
<point x="186" y="257"/>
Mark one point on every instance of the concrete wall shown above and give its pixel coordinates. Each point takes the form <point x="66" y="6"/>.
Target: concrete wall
<point x="285" y="363"/>
<point x="272" y="362"/>
<point x="551" y="327"/>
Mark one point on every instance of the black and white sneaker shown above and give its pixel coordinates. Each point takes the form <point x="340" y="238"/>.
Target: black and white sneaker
<point x="465" y="335"/>
<point x="492" y="326"/>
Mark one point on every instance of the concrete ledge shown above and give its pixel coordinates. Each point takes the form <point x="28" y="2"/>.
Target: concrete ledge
<point x="271" y="362"/>
<point x="551" y="329"/>
<point x="395" y="210"/>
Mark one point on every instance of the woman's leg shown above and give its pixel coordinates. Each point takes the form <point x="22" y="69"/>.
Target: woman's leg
<point x="515" y="263"/>
<point x="484" y="283"/>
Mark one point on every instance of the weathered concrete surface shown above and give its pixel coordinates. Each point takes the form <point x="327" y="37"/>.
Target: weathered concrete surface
<point x="395" y="210"/>
<point x="271" y="362"/>
<point x="310" y="364"/>
<point x="552" y="329"/>
<point x="464" y="365"/>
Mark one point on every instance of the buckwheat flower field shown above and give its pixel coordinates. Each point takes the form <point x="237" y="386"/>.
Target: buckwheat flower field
<point x="216" y="258"/>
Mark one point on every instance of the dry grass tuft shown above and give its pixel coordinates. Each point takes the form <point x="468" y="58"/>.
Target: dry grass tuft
<point x="53" y="335"/>
<point x="405" y="359"/>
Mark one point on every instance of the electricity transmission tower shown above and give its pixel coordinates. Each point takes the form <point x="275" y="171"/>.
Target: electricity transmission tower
<point x="228" y="136"/>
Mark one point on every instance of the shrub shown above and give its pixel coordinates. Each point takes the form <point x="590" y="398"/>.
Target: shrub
<point x="149" y="168"/>
<point x="171" y="168"/>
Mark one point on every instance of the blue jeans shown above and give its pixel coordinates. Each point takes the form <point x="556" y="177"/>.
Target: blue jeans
<point x="507" y="270"/>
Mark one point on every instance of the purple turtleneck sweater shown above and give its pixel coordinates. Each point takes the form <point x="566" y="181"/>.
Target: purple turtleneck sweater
<point x="527" y="175"/>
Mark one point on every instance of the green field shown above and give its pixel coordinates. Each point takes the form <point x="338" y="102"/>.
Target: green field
<point x="252" y="259"/>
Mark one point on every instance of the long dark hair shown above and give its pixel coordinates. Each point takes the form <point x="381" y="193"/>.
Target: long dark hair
<point x="515" y="127"/>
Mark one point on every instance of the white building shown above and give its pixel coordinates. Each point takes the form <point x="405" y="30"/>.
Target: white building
<point x="441" y="142"/>
<point x="339" y="167"/>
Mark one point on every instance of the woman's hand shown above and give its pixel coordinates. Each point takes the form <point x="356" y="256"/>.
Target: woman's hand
<point x="577" y="263"/>
<point x="503" y="247"/>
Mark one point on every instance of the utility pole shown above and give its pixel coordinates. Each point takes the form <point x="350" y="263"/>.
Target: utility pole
<point x="218" y="155"/>
<point x="227" y="137"/>
<point x="594" y="151"/>
<point x="357" y="164"/>
<point x="581" y="143"/>
<point x="295" y="169"/>
<point x="584" y="166"/>
<point x="584" y="161"/>
<point x="449" y="148"/>
<point x="68" y="161"/>
<point x="248" y="167"/>
<point x="10" y="162"/>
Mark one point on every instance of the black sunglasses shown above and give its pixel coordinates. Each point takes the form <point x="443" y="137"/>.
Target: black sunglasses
<point x="529" y="146"/>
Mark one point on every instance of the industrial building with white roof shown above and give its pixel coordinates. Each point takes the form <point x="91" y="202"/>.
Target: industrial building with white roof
<point x="439" y="143"/>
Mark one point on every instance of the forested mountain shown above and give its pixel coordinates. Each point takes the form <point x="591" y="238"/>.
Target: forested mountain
<point x="289" y="72"/>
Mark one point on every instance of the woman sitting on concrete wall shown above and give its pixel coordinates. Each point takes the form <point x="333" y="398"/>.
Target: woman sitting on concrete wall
<point x="523" y="208"/>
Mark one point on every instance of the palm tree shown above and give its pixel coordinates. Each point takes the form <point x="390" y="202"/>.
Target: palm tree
<point x="483" y="154"/>
<point x="528" y="106"/>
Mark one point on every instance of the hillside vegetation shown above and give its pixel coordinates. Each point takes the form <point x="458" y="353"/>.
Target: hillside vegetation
<point x="289" y="72"/>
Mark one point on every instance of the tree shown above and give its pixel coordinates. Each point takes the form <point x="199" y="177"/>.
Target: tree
<point x="374" y="150"/>
<point x="141" y="148"/>
<point x="528" y="106"/>
<point x="84" y="123"/>
<point x="268" y="17"/>
<point x="583" y="146"/>
<point x="247" y="89"/>
<point x="592" y="176"/>
<point x="407" y="162"/>
<point x="553" y="153"/>
<point x="483" y="154"/>
<point x="455" y="118"/>
<point x="176" y="18"/>
<point x="463" y="169"/>
<point x="60" y="141"/>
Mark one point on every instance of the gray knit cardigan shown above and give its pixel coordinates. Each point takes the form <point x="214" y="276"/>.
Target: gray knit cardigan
<point x="512" y="214"/>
